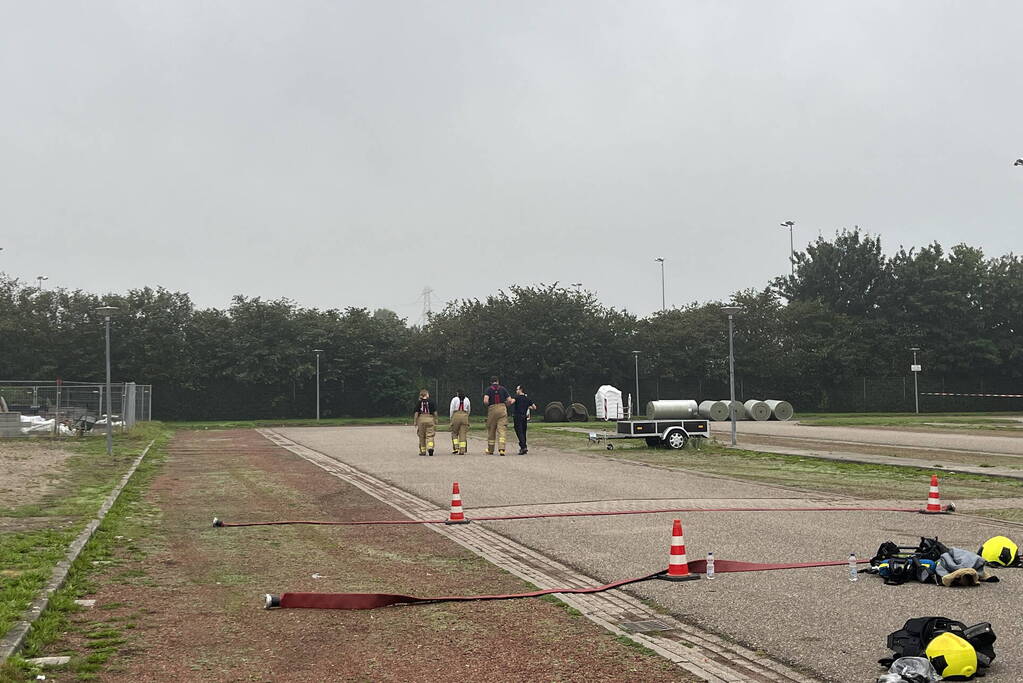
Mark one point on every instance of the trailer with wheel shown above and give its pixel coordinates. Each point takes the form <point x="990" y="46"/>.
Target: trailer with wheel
<point x="674" y="434"/>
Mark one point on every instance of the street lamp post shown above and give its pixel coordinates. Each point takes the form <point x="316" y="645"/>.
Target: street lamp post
<point x="40" y="279"/>
<point x="635" y="355"/>
<point x="792" y="247"/>
<point x="731" y="311"/>
<point x="317" y="352"/>
<point x="916" y="371"/>
<point x="661" y="261"/>
<point x="106" y="312"/>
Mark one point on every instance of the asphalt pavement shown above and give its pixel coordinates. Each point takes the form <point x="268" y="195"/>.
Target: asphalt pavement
<point x="815" y="618"/>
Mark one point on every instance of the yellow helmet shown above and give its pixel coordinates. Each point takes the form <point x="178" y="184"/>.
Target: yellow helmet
<point x="952" y="656"/>
<point x="999" y="550"/>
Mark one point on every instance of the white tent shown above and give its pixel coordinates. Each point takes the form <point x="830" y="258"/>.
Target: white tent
<point x="608" y="403"/>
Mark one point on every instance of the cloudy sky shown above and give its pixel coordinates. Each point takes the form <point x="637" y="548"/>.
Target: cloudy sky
<point x="353" y="153"/>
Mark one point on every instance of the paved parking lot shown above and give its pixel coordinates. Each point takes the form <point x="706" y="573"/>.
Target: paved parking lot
<point x="815" y="618"/>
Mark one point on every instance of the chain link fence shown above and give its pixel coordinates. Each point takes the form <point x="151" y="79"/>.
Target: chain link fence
<point x="861" y="395"/>
<point x="36" y="408"/>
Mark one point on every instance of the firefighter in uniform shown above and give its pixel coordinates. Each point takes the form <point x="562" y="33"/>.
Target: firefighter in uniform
<point x="496" y="399"/>
<point x="459" y="411"/>
<point x="425" y="420"/>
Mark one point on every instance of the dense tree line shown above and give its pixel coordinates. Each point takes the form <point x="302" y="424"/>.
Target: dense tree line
<point x="845" y="317"/>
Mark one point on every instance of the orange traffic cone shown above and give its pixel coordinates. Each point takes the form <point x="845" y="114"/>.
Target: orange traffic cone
<point x="678" y="565"/>
<point x="934" y="499"/>
<point x="456" y="516"/>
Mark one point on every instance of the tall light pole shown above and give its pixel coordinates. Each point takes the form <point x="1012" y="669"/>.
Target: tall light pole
<point x="317" y="352"/>
<point x="106" y="312"/>
<point x="635" y="355"/>
<point x="792" y="247"/>
<point x="40" y="279"/>
<point x="661" y="261"/>
<point x="916" y="371"/>
<point x="731" y="311"/>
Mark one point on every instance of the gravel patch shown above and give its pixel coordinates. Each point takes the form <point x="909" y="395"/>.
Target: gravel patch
<point x="29" y="471"/>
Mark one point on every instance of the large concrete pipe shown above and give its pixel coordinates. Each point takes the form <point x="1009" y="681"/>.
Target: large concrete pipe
<point x="740" y="410"/>
<point x="780" y="410"/>
<point x="672" y="410"/>
<point x="757" y="410"/>
<point x="554" y="412"/>
<point x="714" y="410"/>
<point x="577" y="412"/>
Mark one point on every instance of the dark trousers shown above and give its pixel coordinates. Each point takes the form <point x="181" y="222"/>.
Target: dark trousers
<point x="520" y="429"/>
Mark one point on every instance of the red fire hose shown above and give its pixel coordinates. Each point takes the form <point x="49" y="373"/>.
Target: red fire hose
<point x="217" y="522"/>
<point x="353" y="601"/>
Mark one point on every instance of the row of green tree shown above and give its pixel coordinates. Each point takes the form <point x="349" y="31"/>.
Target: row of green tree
<point x="847" y="313"/>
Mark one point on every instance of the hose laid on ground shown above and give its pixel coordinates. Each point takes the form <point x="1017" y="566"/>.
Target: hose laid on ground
<point x="217" y="522"/>
<point x="375" y="600"/>
<point x="352" y="601"/>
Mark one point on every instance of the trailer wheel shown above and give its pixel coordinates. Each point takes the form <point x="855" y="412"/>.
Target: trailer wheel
<point x="653" y="441"/>
<point x="676" y="439"/>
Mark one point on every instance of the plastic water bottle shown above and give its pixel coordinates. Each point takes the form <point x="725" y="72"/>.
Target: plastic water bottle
<point x="853" y="572"/>
<point x="710" y="565"/>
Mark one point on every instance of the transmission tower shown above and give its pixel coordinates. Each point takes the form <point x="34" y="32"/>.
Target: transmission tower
<point x="427" y="305"/>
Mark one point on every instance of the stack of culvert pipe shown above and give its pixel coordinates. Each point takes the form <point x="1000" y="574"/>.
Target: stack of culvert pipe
<point x="757" y="410"/>
<point x="714" y="410"/>
<point x="739" y="408"/>
<point x="672" y="410"/>
<point x="780" y="410"/>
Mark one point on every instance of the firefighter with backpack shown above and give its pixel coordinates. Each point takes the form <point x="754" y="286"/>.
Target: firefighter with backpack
<point x="459" y="412"/>
<point x="496" y="398"/>
<point x="425" y="421"/>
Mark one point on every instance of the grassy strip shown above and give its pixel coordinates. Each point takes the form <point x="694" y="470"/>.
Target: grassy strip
<point x="929" y="421"/>
<point x="1007" y="514"/>
<point x="28" y="557"/>
<point x="814" y="474"/>
<point x="107" y="549"/>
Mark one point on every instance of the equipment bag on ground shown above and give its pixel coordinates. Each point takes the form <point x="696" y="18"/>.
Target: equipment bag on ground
<point x="953" y="648"/>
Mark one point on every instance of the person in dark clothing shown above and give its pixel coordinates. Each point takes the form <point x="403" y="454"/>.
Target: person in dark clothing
<point x="425" y="420"/>
<point x="496" y="399"/>
<point x="523" y="404"/>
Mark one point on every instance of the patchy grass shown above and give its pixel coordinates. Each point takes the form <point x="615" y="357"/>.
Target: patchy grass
<point x="813" y="474"/>
<point x="630" y="643"/>
<point x="29" y="557"/>
<point x="1007" y="514"/>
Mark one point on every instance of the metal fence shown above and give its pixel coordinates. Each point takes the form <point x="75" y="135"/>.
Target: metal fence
<point x="62" y="408"/>
<point x="937" y="394"/>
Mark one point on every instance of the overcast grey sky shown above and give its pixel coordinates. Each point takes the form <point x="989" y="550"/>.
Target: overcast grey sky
<point x="352" y="153"/>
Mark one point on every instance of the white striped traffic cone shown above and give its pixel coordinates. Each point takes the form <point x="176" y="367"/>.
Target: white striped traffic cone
<point x="678" y="564"/>
<point x="934" y="498"/>
<point x="456" y="516"/>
